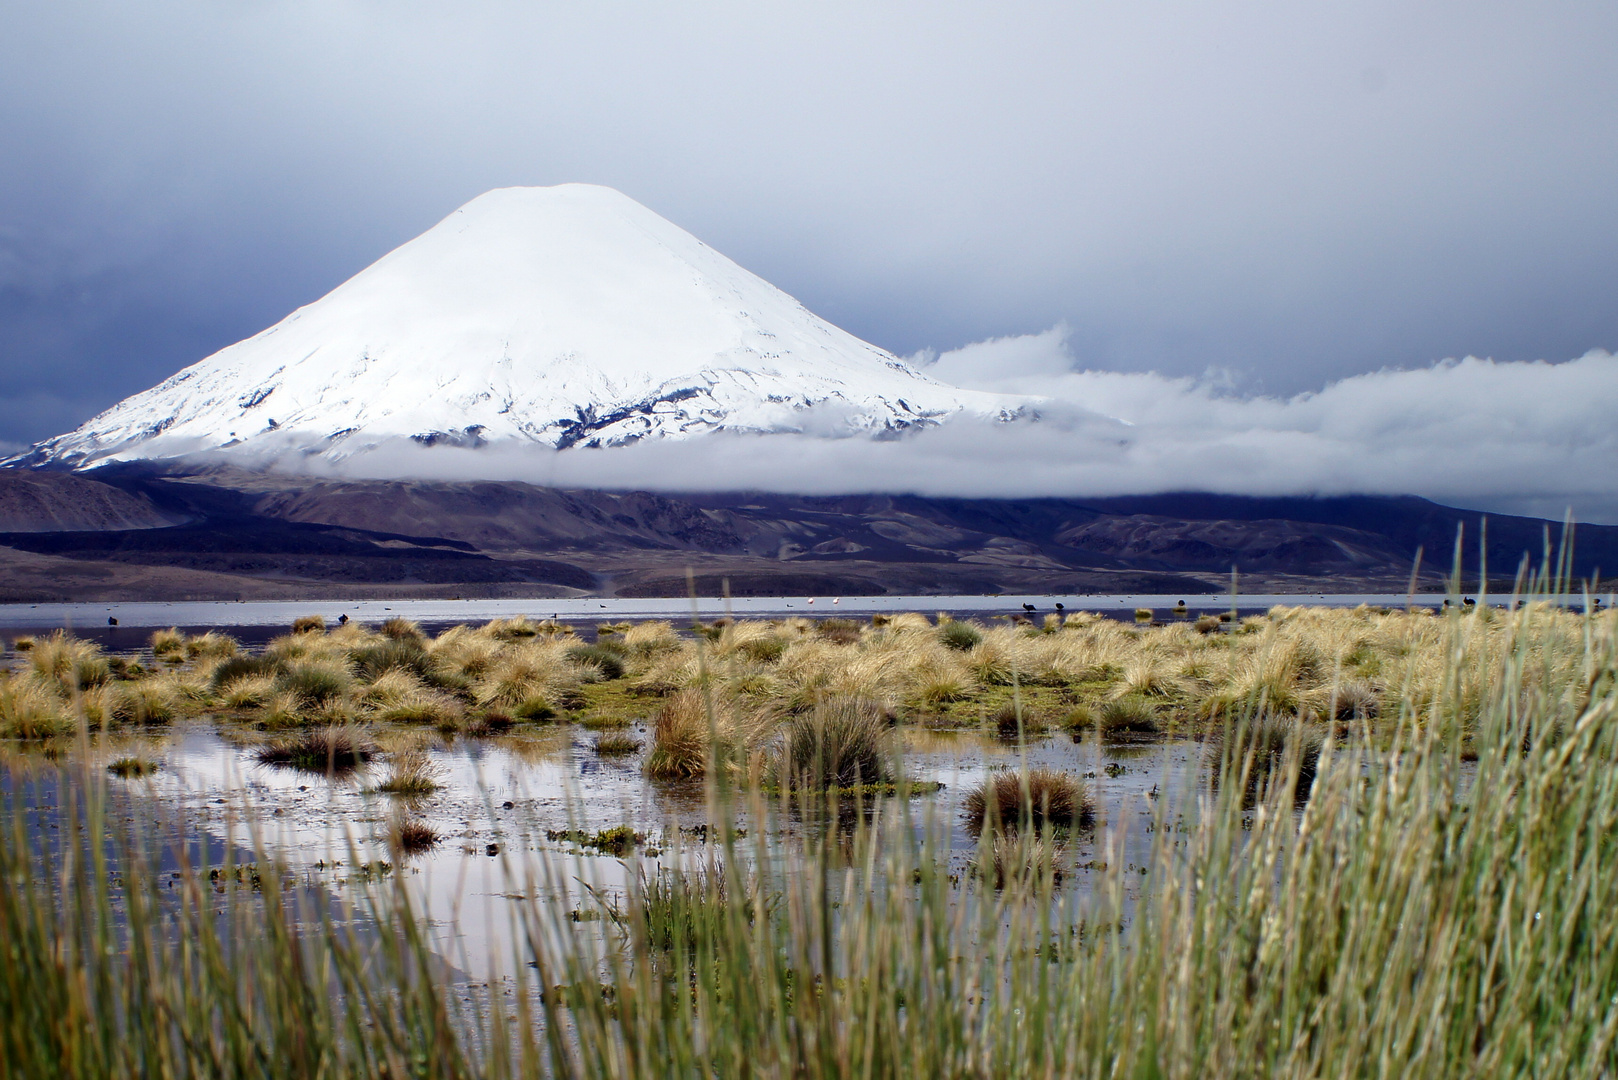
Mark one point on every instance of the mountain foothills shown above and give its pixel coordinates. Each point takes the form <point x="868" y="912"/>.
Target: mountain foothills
<point x="556" y="317"/>
<point x="229" y="534"/>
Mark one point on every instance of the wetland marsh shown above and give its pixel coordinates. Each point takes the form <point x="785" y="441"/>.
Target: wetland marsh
<point x="897" y="845"/>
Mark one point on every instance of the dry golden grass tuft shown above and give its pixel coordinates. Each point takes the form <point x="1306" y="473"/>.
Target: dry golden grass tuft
<point x="841" y="743"/>
<point x="1344" y="666"/>
<point x="695" y="730"/>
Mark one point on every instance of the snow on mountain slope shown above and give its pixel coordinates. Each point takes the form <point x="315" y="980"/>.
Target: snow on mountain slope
<point x="561" y="316"/>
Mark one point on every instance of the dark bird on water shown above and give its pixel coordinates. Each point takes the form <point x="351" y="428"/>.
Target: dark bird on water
<point x="342" y="620"/>
<point x="1028" y="607"/>
<point x="111" y="621"/>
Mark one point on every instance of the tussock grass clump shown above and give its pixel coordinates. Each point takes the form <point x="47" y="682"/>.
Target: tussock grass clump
<point x="1081" y="717"/>
<point x="517" y="628"/>
<point x="1129" y="715"/>
<point x="467" y="652"/>
<point x="392" y="653"/>
<point x="487" y="724"/>
<point x="992" y="662"/>
<point x="31" y="710"/>
<point x="315" y="682"/>
<point x="1145" y="677"/>
<point x="1143" y="615"/>
<point x="412" y="836"/>
<point x="1353" y="699"/>
<point x="421" y="707"/>
<point x="73" y="665"/>
<point x="960" y="636"/>
<point x="149" y="701"/>
<point x="648" y="639"/>
<point x="243" y="667"/>
<point x="23" y="643"/>
<point x="529" y="670"/>
<point x="762" y="650"/>
<point x="1039" y="798"/>
<point x="681" y="734"/>
<point x="309" y="624"/>
<point x="534" y="710"/>
<point x="167" y="643"/>
<point x="841" y="743"/>
<point x="98" y="708"/>
<point x="397" y="696"/>
<point x="943" y="686"/>
<point x="281" y="710"/>
<point x="122" y="667"/>
<point x="132" y="767"/>
<point x="1012" y="722"/>
<point x="603" y="661"/>
<point x="211" y="644"/>
<point x="335" y="749"/>
<point x="616" y="743"/>
<point x="838" y="631"/>
<point x="247" y="692"/>
<point x="605" y="721"/>
<point x="412" y="773"/>
<point x="693" y="730"/>
<point x="390" y="686"/>
<point x="401" y="629"/>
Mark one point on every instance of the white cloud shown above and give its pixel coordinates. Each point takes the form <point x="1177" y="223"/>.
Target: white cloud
<point x="1509" y="437"/>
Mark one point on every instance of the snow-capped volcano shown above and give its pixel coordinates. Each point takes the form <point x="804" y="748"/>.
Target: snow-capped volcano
<point x="560" y="316"/>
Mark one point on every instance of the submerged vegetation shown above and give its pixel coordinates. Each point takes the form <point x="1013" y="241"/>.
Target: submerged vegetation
<point x="1401" y="867"/>
<point x="338" y="749"/>
<point x="131" y="767"/>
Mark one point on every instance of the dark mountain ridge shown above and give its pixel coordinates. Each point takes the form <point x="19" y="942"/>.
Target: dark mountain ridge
<point x="512" y="537"/>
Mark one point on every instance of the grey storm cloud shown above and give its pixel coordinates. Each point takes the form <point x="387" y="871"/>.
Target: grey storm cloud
<point x="1273" y="207"/>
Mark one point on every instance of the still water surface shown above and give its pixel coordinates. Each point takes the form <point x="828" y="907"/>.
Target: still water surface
<point x="280" y="613"/>
<point x="504" y="794"/>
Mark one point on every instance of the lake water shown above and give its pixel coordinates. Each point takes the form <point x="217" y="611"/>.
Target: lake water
<point x="504" y="794"/>
<point x="91" y="619"/>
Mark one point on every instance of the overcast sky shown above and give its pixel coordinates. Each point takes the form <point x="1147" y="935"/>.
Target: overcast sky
<point x="1282" y="194"/>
